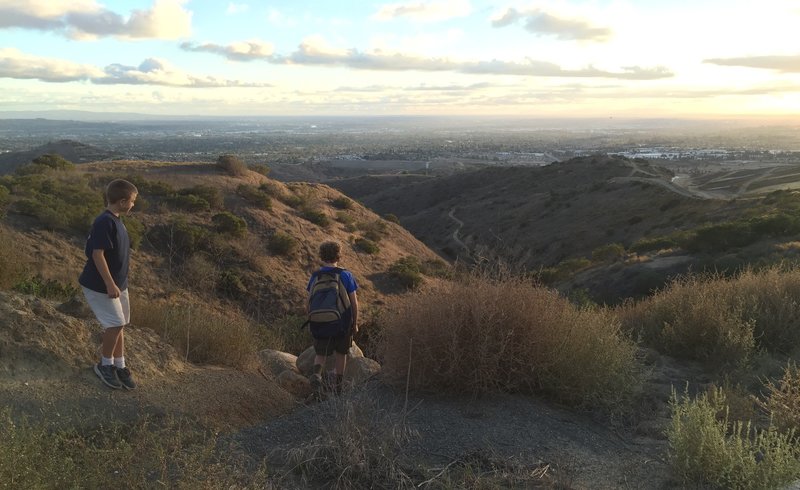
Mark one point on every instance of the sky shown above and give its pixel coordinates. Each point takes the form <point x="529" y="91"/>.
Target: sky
<point x="560" y="58"/>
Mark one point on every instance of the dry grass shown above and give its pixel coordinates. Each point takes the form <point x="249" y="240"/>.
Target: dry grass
<point x="783" y="399"/>
<point x="721" y="320"/>
<point x="12" y="261"/>
<point x="147" y="454"/>
<point x="481" y="335"/>
<point x="200" y="334"/>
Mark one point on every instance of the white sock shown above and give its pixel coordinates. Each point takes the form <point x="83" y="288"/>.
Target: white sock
<point x="106" y="361"/>
<point x="119" y="362"/>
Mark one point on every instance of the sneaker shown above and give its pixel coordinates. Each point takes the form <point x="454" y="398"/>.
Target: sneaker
<point x="107" y="376"/>
<point x="125" y="378"/>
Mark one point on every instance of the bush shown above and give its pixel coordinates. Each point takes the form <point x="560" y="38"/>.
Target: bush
<point x="373" y="230"/>
<point x="282" y="244"/>
<point x="179" y="238"/>
<point x="12" y="261"/>
<point x="407" y="272"/>
<point x="199" y="274"/>
<point x="231" y="285"/>
<point x="229" y="224"/>
<point x="46" y="288"/>
<point x="57" y="202"/>
<point x="199" y="334"/>
<point x="135" y="229"/>
<point x="517" y="338"/>
<point x="260" y="168"/>
<point x="255" y="196"/>
<point x="708" y="449"/>
<point x="367" y="246"/>
<point x="342" y="202"/>
<point x="54" y="161"/>
<point x="232" y="165"/>
<point x="207" y="193"/>
<point x="315" y="216"/>
<point x="392" y="218"/>
<point x="721" y="320"/>
<point x="189" y="202"/>
<point x="608" y="253"/>
<point x="652" y="244"/>
<point x="783" y="399"/>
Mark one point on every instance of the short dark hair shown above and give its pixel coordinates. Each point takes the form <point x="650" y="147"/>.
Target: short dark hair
<point x="330" y="251"/>
<point x="119" y="189"/>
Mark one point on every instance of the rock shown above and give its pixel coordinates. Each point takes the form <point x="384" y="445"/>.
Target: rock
<point x="359" y="370"/>
<point x="294" y="382"/>
<point x="305" y="361"/>
<point x="76" y="307"/>
<point x="275" y="362"/>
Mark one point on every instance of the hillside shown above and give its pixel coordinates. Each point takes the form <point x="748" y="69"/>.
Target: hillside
<point x="624" y="223"/>
<point x="73" y="151"/>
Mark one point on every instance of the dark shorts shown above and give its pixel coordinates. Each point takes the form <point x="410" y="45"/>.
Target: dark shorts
<point x="326" y="347"/>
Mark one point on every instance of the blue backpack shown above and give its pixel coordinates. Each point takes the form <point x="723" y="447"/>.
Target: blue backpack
<point x="328" y="305"/>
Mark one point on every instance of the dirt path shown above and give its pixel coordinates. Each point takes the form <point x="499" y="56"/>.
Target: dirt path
<point x="459" y="225"/>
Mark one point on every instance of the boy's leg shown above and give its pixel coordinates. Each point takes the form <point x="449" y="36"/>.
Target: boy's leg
<point x="111" y="337"/>
<point x="105" y="368"/>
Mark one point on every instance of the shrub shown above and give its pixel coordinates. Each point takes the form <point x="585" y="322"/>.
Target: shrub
<point x="260" y="168"/>
<point x="517" y="338"/>
<point x="608" y="253"/>
<point x="207" y="193"/>
<point x="54" y="161"/>
<point x="255" y="196"/>
<point x="198" y="273"/>
<point x="373" y="230"/>
<point x="189" y="202"/>
<point x="230" y="224"/>
<point x="199" y="334"/>
<point x="783" y="399"/>
<point x="708" y="449"/>
<point x="156" y="188"/>
<point x="46" y="288"/>
<point x="407" y="272"/>
<point x="282" y="244"/>
<point x="135" y="229"/>
<point x="392" y="218"/>
<point x="179" y="238"/>
<point x="231" y="285"/>
<point x="342" y="202"/>
<point x="651" y="244"/>
<point x="232" y="165"/>
<point x="315" y="216"/>
<point x="57" y="202"/>
<point x="367" y="246"/>
<point x="721" y="320"/>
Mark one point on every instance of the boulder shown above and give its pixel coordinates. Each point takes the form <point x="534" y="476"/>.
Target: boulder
<point x="294" y="382"/>
<point x="359" y="370"/>
<point x="275" y="362"/>
<point x="305" y="361"/>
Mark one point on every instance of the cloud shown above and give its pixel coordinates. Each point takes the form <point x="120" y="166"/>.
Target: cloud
<point x="15" y="64"/>
<point x="416" y="88"/>
<point x="315" y="51"/>
<point x="152" y="71"/>
<point x="237" y="8"/>
<point x="240" y="51"/>
<point x="431" y="11"/>
<point x="785" y="64"/>
<point x="543" y="23"/>
<point x="85" y="19"/>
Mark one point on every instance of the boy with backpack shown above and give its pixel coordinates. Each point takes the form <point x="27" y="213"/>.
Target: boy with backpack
<point x="332" y="309"/>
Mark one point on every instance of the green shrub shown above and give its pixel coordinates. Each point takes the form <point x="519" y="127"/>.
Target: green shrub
<point x="407" y="272"/>
<point x="178" y="238"/>
<point x="518" y="338"/>
<point x="135" y="229"/>
<point x="156" y="188"/>
<point x="46" y="288"/>
<point x="436" y="268"/>
<point x="342" y="202"/>
<point x="57" y="202"/>
<point x="392" y="218"/>
<point x="189" y="202"/>
<point x="231" y="165"/>
<point x="54" y="161"/>
<point x="651" y="244"/>
<point x="367" y="246"/>
<point x="316" y="216"/>
<point x="231" y="285"/>
<point x="708" y="449"/>
<point x="608" y="253"/>
<point x="282" y="244"/>
<point x="209" y="194"/>
<point x="373" y="230"/>
<point x="229" y="224"/>
<point x="255" y="196"/>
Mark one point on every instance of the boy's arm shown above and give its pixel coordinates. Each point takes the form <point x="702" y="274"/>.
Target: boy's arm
<point x="354" y="305"/>
<point x="102" y="267"/>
